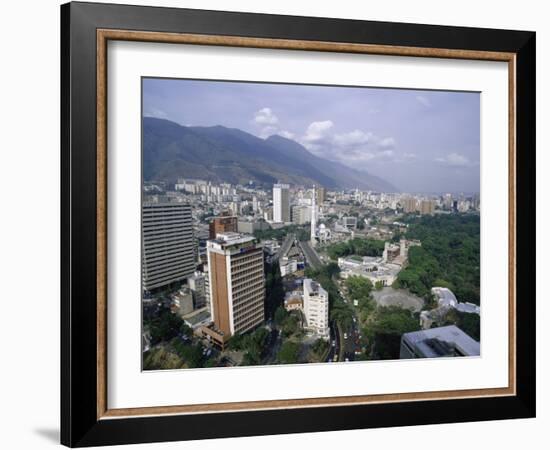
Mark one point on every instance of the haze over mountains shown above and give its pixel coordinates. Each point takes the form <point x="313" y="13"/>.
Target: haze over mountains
<point x="220" y="154"/>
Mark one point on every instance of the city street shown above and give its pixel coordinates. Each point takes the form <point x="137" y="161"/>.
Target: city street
<point x="311" y="255"/>
<point x="334" y="337"/>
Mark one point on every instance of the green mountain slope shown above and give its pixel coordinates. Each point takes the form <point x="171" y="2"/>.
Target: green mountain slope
<point x="172" y="151"/>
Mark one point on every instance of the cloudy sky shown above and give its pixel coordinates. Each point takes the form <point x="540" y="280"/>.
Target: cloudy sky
<point x="420" y="141"/>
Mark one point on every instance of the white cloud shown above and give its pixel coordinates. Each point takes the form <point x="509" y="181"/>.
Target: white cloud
<point x="356" y="146"/>
<point x="265" y="117"/>
<point x="387" y="142"/>
<point x="286" y="134"/>
<point x="355" y="137"/>
<point x="423" y="100"/>
<point x="155" y="112"/>
<point x="409" y="155"/>
<point x="316" y="131"/>
<point x="268" y="131"/>
<point x="362" y="156"/>
<point x="455" y="160"/>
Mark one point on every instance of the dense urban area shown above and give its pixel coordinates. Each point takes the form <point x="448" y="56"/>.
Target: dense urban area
<point x="256" y="274"/>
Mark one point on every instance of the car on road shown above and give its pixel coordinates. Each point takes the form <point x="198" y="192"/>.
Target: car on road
<point x="345" y="335"/>
<point x="334" y="343"/>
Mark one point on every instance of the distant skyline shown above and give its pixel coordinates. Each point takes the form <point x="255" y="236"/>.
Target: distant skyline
<point x="418" y="140"/>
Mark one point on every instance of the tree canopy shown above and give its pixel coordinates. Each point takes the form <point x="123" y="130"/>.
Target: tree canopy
<point x="288" y="354"/>
<point x="356" y="246"/>
<point x="449" y="256"/>
<point x="386" y="330"/>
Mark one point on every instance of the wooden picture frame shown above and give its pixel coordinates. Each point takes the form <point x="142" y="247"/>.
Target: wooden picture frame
<point x="86" y="418"/>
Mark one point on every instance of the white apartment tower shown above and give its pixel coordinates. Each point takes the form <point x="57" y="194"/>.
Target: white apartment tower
<point x="316" y="308"/>
<point x="237" y="282"/>
<point x="313" y="216"/>
<point x="281" y="203"/>
<point x="167" y="244"/>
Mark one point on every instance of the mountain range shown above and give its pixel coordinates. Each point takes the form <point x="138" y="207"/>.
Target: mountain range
<point x="220" y="154"/>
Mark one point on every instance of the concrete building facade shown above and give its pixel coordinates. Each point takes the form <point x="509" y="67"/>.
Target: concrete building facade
<point x="448" y="341"/>
<point x="237" y="283"/>
<point x="315" y="302"/>
<point x="168" y="253"/>
<point x="301" y="214"/>
<point x="222" y="224"/>
<point x="197" y="285"/>
<point x="281" y="203"/>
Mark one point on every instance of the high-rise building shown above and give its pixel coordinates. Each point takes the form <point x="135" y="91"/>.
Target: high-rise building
<point x="281" y="203"/>
<point x="237" y="283"/>
<point x="409" y="204"/>
<point x="301" y="214"/>
<point x="313" y="224"/>
<point x="316" y="308"/>
<point x="321" y="195"/>
<point x="167" y="244"/>
<point x="427" y="207"/>
<point x="222" y="224"/>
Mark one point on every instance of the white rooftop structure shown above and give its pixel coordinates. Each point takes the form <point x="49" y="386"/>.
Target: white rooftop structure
<point x="446" y="298"/>
<point x="438" y="342"/>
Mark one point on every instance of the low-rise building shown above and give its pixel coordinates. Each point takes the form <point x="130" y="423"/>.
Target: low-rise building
<point x="446" y="300"/>
<point x="197" y="285"/>
<point x="448" y="341"/>
<point x="294" y="300"/>
<point x="182" y="302"/>
<point x="372" y="268"/>
<point x="288" y="266"/>
<point x="250" y="226"/>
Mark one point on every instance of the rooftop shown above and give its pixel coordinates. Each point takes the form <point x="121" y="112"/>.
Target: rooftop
<point x="426" y="341"/>
<point x="313" y="287"/>
<point x="231" y="238"/>
<point x="445" y="296"/>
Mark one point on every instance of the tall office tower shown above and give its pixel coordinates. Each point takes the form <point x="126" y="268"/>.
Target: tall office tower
<point x="254" y="203"/>
<point x="316" y="308"/>
<point x="448" y="201"/>
<point x="281" y="203"/>
<point x="167" y="244"/>
<point x="222" y="224"/>
<point x="321" y="195"/>
<point x="313" y="217"/>
<point x="237" y="283"/>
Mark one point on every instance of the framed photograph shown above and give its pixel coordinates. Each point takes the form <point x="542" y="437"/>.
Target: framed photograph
<point x="276" y="224"/>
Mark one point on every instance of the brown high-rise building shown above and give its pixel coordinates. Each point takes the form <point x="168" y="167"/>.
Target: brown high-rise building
<point x="222" y="224"/>
<point x="321" y="195"/>
<point x="237" y="283"/>
<point x="410" y="204"/>
<point x="427" y="207"/>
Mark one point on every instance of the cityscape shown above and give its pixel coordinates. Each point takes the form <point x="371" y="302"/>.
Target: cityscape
<point x="258" y="250"/>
